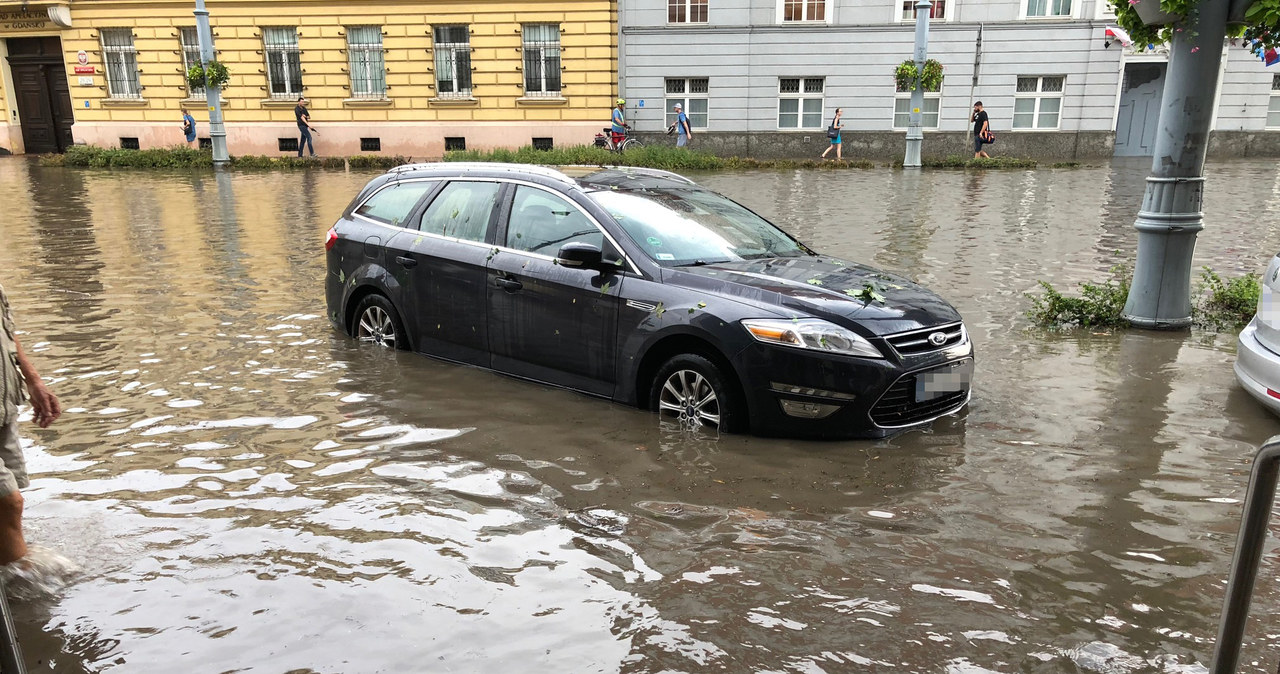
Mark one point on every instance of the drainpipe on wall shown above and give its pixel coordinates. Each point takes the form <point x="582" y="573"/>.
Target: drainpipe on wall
<point x="622" y="50"/>
<point x="977" y="63"/>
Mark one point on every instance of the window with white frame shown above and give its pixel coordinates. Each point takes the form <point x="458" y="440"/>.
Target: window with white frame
<point x="453" y="61"/>
<point x="1048" y="8"/>
<point x="191" y="57"/>
<point x="541" y="59"/>
<point x="1037" y="103"/>
<point x="121" y="58"/>
<point x="368" y="67"/>
<point x="691" y="94"/>
<point x="928" y="112"/>
<point x="284" y="66"/>
<point x="804" y="10"/>
<point x="800" y="102"/>
<point x="938" y="11"/>
<point x="686" y="11"/>
<point x="1273" y="106"/>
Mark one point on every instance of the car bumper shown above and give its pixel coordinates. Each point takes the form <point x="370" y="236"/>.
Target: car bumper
<point x="803" y="394"/>
<point x="1258" y="368"/>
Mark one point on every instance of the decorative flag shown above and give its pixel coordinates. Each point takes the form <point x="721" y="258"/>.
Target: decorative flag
<point x="1269" y="57"/>
<point x="1119" y="34"/>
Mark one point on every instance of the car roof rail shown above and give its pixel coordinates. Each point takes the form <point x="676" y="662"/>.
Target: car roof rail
<point x="657" y="173"/>
<point x="460" y="166"/>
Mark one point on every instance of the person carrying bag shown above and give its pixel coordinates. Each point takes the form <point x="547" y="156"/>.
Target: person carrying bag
<point x="833" y="132"/>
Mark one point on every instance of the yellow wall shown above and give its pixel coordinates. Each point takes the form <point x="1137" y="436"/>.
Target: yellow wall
<point x="588" y="59"/>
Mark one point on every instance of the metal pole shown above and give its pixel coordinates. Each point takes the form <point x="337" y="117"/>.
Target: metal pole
<point x="11" y="660"/>
<point x="1244" y="566"/>
<point x="217" y="132"/>
<point x="1170" y="218"/>
<point x="915" y="131"/>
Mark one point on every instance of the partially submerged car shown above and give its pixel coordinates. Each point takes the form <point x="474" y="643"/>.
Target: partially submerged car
<point x="642" y="287"/>
<point x="1258" y="350"/>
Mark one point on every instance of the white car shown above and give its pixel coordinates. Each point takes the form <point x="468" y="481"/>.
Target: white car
<point x="1258" y="353"/>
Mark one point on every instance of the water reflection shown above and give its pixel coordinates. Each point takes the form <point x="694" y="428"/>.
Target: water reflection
<point x="246" y="488"/>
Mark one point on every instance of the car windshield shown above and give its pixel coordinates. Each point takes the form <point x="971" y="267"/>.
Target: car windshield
<point x="678" y="226"/>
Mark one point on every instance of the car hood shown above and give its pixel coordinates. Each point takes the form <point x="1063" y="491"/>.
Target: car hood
<point x="825" y="287"/>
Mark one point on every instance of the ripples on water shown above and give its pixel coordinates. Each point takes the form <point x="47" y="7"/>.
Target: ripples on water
<point x="244" y="490"/>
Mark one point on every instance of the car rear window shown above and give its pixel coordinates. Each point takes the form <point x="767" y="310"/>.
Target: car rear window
<point x="393" y="204"/>
<point x="690" y="226"/>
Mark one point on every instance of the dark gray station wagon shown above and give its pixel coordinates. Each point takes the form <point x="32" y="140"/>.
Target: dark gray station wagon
<point x="642" y="287"/>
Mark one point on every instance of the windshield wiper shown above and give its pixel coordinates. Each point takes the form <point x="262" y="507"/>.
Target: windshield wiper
<point x="699" y="263"/>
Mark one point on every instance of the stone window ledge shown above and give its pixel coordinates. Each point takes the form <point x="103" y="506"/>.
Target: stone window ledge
<point x="279" y="102"/>
<point x="456" y="102"/>
<point x="367" y="102"/>
<point x="125" y="103"/>
<point x="541" y="100"/>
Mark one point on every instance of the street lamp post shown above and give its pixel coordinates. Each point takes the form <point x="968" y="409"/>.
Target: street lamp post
<point x="915" y="131"/>
<point x="1170" y="217"/>
<point x="217" y="132"/>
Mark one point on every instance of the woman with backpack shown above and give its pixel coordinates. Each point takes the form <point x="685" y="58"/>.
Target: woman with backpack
<point x="833" y="132"/>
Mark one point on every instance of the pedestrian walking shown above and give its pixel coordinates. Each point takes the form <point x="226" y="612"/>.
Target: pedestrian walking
<point x="683" y="131"/>
<point x="189" y="128"/>
<point x="833" y="132"/>
<point x="16" y="373"/>
<point x="304" y="126"/>
<point x="981" y="130"/>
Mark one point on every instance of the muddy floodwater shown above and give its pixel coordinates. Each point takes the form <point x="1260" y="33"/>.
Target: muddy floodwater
<point x="245" y="490"/>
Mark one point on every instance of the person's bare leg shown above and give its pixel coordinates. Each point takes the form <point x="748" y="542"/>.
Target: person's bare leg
<point x="12" y="544"/>
<point x="839" y="152"/>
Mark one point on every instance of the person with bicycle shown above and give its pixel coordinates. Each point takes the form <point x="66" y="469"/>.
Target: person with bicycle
<point x="620" y="126"/>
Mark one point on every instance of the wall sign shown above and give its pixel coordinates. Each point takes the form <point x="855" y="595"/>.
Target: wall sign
<point x="82" y="57"/>
<point x="23" y="21"/>
<point x="86" y="81"/>
<point x="85" y="69"/>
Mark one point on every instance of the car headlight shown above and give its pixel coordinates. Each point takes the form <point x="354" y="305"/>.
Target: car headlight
<point x="810" y="333"/>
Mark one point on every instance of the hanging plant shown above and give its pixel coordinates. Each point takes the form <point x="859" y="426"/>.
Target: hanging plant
<point x="906" y="73"/>
<point x="211" y="74"/>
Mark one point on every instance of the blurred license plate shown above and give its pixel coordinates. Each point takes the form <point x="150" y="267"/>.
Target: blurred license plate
<point x="944" y="380"/>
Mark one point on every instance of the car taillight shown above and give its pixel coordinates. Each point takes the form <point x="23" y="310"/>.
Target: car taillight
<point x="330" y="238"/>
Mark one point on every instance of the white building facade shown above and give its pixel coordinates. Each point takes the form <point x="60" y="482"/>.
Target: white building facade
<point x="764" y="77"/>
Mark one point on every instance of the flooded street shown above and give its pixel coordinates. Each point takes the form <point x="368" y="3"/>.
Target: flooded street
<point x="246" y="490"/>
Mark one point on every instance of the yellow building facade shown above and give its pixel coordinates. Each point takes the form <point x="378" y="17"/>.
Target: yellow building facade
<point x="389" y="76"/>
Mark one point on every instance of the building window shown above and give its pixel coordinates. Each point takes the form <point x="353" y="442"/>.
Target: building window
<point x="368" y="69"/>
<point x="1038" y="102"/>
<point x="691" y="94"/>
<point x="804" y="10"/>
<point x="938" y="11"/>
<point x="122" y="63"/>
<point x="686" y="11"/>
<point x="1273" y="106"/>
<point x="191" y="57"/>
<point x="928" y="112"/>
<point x="800" y="103"/>
<point x="542" y="59"/>
<point x="453" y="61"/>
<point x="284" y="69"/>
<point x="1048" y="8"/>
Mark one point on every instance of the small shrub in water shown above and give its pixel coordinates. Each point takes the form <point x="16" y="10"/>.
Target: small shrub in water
<point x="1226" y="303"/>
<point x="1099" y="305"/>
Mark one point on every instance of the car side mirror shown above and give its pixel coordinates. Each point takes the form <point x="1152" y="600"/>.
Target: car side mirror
<point x="580" y="256"/>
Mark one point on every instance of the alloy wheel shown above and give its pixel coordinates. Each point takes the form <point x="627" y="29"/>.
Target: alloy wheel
<point x="376" y="326"/>
<point x="690" y="397"/>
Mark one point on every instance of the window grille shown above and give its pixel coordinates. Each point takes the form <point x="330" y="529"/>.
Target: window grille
<point x="368" y="67"/>
<point x="129" y="143"/>
<point x="371" y="145"/>
<point x="542" y="60"/>
<point x="284" y="66"/>
<point x="191" y="57"/>
<point x="453" y="61"/>
<point x="691" y="94"/>
<point x="122" y="63"/>
<point x="1037" y="102"/>
<point x="800" y="102"/>
<point x="454" y="144"/>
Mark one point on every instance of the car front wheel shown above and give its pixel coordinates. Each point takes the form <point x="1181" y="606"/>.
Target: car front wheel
<point x="377" y="322"/>
<point x="693" y="390"/>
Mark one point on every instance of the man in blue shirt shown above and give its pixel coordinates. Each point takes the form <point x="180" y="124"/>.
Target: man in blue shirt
<point x="683" y="131"/>
<point x="619" y="122"/>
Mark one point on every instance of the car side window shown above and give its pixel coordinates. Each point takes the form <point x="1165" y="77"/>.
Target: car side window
<point x="462" y="210"/>
<point x="393" y="204"/>
<point x="541" y="222"/>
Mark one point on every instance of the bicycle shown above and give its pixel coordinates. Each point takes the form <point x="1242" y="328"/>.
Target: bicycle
<point x="605" y="140"/>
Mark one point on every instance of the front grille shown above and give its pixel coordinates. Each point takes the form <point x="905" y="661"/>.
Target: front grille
<point x="898" y="406"/>
<point x="917" y="342"/>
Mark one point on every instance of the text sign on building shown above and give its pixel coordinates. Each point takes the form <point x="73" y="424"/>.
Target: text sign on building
<point x="23" y="21"/>
<point x="85" y="69"/>
<point x="86" y="81"/>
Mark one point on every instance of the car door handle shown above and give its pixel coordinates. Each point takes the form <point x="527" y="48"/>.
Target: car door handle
<point x="508" y="284"/>
<point x="406" y="261"/>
